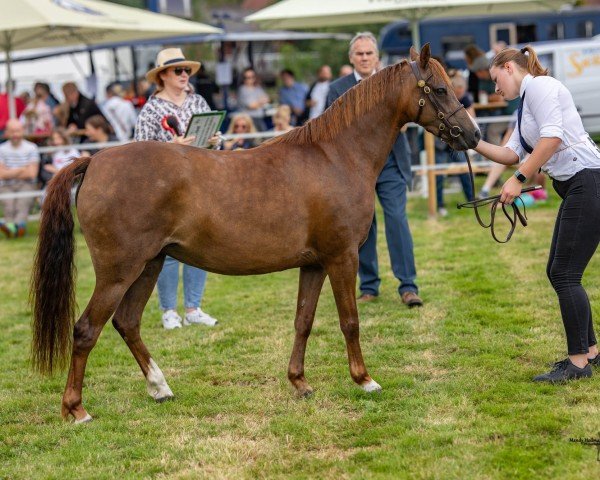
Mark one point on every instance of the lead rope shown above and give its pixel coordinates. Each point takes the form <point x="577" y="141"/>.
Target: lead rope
<point x="494" y="201"/>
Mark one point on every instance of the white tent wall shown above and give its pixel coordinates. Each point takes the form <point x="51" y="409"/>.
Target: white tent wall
<point x="75" y="67"/>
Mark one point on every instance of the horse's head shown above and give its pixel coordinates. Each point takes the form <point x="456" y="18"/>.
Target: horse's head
<point x="437" y="108"/>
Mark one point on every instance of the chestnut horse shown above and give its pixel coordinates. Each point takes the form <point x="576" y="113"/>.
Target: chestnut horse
<point x="303" y="200"/>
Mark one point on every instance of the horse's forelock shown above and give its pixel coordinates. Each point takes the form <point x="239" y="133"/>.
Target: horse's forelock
<point x="437" y="67"/>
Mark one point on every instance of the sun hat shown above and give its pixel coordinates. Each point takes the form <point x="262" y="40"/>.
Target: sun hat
<point x="170" y="57"/>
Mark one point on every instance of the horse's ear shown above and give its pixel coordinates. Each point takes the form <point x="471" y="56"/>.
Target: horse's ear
<point x="425" y="55"/>
<point x="414" y="55"/>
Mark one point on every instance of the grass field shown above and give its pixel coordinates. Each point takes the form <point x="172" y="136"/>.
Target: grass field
<point x="457" y="400"/>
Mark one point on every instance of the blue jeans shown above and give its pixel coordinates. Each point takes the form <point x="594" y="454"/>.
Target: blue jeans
<point x="451" y="156"/>
<point x="391" y="190"/>
<point x="194" y="280"/>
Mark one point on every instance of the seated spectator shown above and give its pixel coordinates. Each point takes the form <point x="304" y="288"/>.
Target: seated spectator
<point x="252" y="98"/>
<point x="37" y="116"/>
<point x="293" y="94"/>
<point x="19" y="163"/>
<point x="240" y="123"/>
<point x="281" y="119"/>
<point x="42" y="90"/>
<point x="98" y="130"/>
<point x="60" y="158"/>
<point x="80" y="107"/>
<point x="119" y="112"/>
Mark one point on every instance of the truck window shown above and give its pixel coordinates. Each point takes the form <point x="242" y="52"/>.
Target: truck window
<point x="585" y="29"/>
<point x="527" y="33"/>
<point x="556" y="31"/>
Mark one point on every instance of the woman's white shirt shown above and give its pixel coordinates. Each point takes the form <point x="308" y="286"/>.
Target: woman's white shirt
<point x="549" y="111"/>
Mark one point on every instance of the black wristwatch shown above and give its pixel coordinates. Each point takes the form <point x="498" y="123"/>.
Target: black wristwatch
<point x="520" y="177"/>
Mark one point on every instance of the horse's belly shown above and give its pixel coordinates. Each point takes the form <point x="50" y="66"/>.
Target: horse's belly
<point x="243" y="258"/>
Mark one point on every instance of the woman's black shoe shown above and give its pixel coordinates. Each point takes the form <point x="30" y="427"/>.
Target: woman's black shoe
<point x="564" y="371"/>
<point x="594" y="362"/>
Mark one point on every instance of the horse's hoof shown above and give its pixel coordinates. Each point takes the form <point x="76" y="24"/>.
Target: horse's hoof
<point x="165" y="399"/>
<point x="306" y="393"/>
<point x="86" y="419"/>
<point x="371" y="387"/>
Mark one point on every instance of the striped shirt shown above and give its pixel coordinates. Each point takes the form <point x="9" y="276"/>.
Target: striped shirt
<point x="149" y="122"/>
<point x="17" y="157"/>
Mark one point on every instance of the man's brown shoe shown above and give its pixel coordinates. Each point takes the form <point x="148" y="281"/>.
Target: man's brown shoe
<point x="366" y="297"/>
<point x="411" y="299"/>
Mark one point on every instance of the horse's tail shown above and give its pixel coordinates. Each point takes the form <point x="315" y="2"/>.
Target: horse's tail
<point x="52" y="292"/>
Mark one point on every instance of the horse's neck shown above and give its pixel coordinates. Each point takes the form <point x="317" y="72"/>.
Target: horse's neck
<point x="370" y="137"/>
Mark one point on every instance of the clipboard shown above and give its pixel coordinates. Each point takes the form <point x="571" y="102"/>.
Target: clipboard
<point x="204" y="125"/>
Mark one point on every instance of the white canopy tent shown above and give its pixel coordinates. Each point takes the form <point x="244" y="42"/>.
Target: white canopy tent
<point x="29" y="24"/>
<point x="319" y="13"/>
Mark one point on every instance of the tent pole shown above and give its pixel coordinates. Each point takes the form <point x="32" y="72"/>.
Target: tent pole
<point x="416" y="37"/>
<point x="10" y="94"/>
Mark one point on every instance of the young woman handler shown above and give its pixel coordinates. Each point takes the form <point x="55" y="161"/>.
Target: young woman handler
<point x="550" y="129"/>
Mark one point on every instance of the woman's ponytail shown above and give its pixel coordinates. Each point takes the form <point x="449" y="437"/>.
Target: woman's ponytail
<point x="525" y="58"/>
<point x="533" y="63"/>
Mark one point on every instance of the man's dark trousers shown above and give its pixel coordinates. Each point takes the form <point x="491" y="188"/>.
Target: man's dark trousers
<point x="391" y="190"/>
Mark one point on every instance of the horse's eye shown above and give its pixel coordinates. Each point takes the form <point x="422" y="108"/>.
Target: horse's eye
<point x="440" y="91"/>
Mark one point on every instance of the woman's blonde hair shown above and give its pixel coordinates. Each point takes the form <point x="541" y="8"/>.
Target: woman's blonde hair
<point x="244" y="117"/>
<point x="283" y="112"/>
<point x="526" y="59"/>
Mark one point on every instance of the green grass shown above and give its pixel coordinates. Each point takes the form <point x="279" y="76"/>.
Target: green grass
<point x="457" y="399"/>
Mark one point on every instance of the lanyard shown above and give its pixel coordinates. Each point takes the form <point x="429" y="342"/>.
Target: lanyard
<point x="524" y="144"/>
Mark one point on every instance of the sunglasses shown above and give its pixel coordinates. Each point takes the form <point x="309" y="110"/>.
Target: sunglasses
<point x="179" y="70"/>
<point x="249" y="77"/>
<point x="240" y="125"/>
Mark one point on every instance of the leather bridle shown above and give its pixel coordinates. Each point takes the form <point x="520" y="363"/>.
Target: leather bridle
<point x="455" y="131"/>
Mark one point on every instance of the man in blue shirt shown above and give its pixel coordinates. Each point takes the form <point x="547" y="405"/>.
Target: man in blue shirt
<point x="293" y="94"/>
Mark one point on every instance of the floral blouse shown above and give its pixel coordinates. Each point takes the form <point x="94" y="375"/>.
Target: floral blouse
<point x="151" y="124"/>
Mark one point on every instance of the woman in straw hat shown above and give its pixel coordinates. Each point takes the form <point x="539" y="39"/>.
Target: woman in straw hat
<point x="164" y="118"/>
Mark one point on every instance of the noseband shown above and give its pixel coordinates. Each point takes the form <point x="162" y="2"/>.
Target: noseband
<point x="454" y="130"/>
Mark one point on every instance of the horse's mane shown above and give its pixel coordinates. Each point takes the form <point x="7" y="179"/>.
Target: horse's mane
<point x="356" y="102"/>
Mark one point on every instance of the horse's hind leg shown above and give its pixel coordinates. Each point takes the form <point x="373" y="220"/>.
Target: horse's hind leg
<point x="342" y="275"/>
<point x="311" y="282"/>
<point x="85" y="334"/>
<point x="127" y="321"/>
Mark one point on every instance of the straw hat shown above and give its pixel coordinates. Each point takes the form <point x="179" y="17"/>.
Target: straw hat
<point x="170" y="57"/>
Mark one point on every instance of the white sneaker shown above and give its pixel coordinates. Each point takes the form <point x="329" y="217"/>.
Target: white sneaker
<point x="171" y="320"/>
<point x="199" y="317"/>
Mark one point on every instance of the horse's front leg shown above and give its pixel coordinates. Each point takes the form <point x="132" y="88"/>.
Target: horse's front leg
<point x="311" y="282"/>
<point x="342" y="275"/>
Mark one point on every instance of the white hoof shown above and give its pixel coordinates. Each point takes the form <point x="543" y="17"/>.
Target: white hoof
<point x="86" y="419"/>
<point x="371" y="386"/>
<point x="156" y="384"/>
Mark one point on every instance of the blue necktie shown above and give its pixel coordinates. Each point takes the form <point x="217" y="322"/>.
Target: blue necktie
<point x="524" y="144"/>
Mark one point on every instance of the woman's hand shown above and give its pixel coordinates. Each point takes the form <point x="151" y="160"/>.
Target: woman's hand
<point x="216" y="140"/>
<point x="183" y="140"/>
<point x="510" y="190"/>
